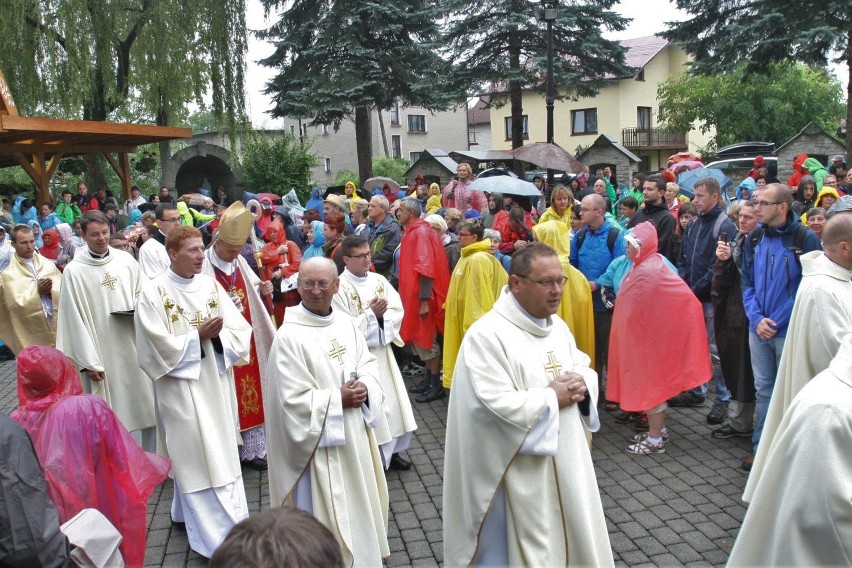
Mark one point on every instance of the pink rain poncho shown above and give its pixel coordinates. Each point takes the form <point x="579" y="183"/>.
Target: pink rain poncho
<point x="658" y="345"/>
<point x="88" y="458"/>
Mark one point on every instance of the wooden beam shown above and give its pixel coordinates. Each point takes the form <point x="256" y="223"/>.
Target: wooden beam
<point x="53" y="164"/>
<point x="24" y="162"/>
<point x="122" y="169"/>
<point x="43" y="181"/>
<point x="63" y="148"/>
<point x="40" y="124"/>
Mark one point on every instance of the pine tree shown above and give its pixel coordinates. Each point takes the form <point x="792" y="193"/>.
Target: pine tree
<point x="725" y="33"/>
<point x="502" y="46"/>
<point x="341" y="59"/>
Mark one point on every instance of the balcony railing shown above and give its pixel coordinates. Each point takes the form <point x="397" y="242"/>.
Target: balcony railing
<point x="651" y="138"/>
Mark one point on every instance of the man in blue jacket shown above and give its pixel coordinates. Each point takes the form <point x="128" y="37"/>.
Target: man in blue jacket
<point x="771" y="277"/>
<point x="695" y="266"/>
<point x="592" y="249"/>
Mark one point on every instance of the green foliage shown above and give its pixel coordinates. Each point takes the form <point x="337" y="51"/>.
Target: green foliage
<point x="581" y="148"/>
<point x="203" y="120"/>
<point x="145" y="169"/>
<point x="772" y="107"/>
<point x="724" y="33"/>
<point x="100" y="60"/>
<point x="15" y="181"/>
<point x="277" y="165"/>
<point x="393" y="168"/>
<point x="346" y="175"/>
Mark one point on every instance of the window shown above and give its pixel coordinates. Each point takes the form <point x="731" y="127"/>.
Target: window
<point x="396" y="146"/>
<point x="508" y="121"/>
<point x="584" y="121"/>
<point x="417" y="123"/>
<point x="643" y="118"/>
<point x="324" y="128"/>
<point x="303" y="129"/>
<point x="414" y="156"/>
<point x="328" y="164"/>
<point x="640" y="76"/>
<point x="394" y="114"/>
<point x="292" y="130"/>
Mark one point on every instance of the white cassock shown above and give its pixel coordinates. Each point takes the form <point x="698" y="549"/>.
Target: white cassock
<point x="354" y="297"/>
<point x="822" y="315"/>
<point x="519" y="485"/>
<point x="263" y="333"/>
<point x="801" y="509"/>
<point x="95" y="330"/>
<point x="324" y="458"/>
<point x="153" y="257"/>
<point x="196" y="404"/>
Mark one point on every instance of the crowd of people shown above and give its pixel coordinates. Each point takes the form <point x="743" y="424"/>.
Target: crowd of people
<point x="198" y="338"/>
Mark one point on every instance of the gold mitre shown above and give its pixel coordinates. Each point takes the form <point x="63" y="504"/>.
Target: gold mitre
<point x="236" y="224"/>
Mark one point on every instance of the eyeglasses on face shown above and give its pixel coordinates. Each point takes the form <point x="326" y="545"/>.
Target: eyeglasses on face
<point x="323" y="285"/>
<point x="364" y="256"/>
<point x="767" y="203"/>
<point x="547" y="284"/>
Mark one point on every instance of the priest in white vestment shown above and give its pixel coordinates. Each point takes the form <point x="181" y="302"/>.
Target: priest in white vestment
<point x="801" y="509"/>
<point x="322" y="399"/>
<point x="29" y="295"/>
<point x="377" y="308"/>
<point x="95" y="328"/>
<point x="519" y="485"/>
<point x="189" y="335"/>
<point x="821" y="316"/>
<point x="153" y="258"/>
<point x="223" y="262"/>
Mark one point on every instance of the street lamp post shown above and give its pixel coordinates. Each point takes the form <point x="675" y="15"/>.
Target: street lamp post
<point x="547" y="12"/>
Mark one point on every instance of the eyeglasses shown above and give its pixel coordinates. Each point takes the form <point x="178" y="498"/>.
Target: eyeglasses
<point x="767" y="203"/>
<point x="172" y="220"/>
<point x="547" y="284"/>
<point x="310" y="285"/>
<point x="465" y="235"/>
<point x="364" y="256"/>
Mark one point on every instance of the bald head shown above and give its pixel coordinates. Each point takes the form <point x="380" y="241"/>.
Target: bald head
<point x="318" y="265"/>
<point x="318" y="284"/>
<point x="837" y="240"/>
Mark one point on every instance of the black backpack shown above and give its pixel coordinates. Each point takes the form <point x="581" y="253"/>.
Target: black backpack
<point x="798" y="240"/>
<point x="611" y="237"/>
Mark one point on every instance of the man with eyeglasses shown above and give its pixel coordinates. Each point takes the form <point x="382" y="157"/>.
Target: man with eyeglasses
<point x="771" y="276"/>
<point x="322" y="401"/>
<point x="475" y="285"/>
<point x="377" y="308"/>
<point x="153" y="258"/>
<point x="519" y="485"/>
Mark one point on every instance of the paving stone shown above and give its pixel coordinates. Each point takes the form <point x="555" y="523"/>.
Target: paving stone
<point x="398" y="559"/>
<point x="632" y="530"/>
<point x="407" y="521"/>
<point x="684" y="553"/>
<point x="648" y="519"/>
<point x="665" y="560"/>
<point x="620" y="543"/>
<point x="426" y="511"/>
<point x="419" y="549"/>
<point x="711" y="530"/>
<point x="698" y="541"/>
<point x="724" y="520"/>
<point x="411" y="535"/>
<point x="650" y="546"/>
<point x="666" y="536"/>
<point x="633" y="557"/>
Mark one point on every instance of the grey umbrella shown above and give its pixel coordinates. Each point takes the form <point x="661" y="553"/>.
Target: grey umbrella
<point x="550" y="156"/>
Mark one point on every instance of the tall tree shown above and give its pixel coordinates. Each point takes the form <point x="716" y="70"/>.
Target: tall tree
<point x="500" y="45"/>
<point x="772" y="107"/>
<point x="724" y="33"/>
<point x="338" y="59"/>
<point x="92" y="58"/>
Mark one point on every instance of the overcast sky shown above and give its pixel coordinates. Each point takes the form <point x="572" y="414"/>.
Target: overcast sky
<point x="649" y="17"/>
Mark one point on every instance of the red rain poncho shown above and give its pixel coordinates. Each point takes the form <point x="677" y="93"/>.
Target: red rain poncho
<point x="421" y="253"/>
<point x="88" y="458"/>
<point x="655" y="305"/>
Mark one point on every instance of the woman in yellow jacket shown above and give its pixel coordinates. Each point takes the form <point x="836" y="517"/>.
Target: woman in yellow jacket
<point x="560" y="206"/>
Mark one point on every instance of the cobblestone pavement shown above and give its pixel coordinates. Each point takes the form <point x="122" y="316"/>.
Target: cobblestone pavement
<point x="679" y="508"/>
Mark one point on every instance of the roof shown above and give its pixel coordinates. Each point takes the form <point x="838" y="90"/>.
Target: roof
<point x="482" y="155"/>
<point x="641" y="50"/>
<point x="480" y="113"/>
<point x="811" y="129"/>
<point x="434" y="154"/>
<point x="29" y="135"/>
<point x="606" y="140"/>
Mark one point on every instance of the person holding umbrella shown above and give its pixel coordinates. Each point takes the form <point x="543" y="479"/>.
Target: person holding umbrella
<point x="458" y="194"/>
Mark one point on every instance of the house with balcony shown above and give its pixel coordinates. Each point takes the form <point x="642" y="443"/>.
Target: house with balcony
<point x="627" y="110"/>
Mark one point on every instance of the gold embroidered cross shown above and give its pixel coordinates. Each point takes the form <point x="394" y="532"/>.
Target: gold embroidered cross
<point x="197" y="320"/>
<point x="553" y="365"/>
<point x="337" y="351"/>
<point x="109" y="281"/>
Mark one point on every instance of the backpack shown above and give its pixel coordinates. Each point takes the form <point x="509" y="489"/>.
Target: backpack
<point x="798" y="240"/>
<point x="611" y="237"/>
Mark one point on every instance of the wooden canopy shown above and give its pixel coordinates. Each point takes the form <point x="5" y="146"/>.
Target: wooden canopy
<point x="38" y="144"/>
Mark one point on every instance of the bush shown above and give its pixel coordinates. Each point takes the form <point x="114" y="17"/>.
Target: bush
<point x="393" y="168"/>
<point x="277" y="165"/>
<point x="346" y="175"/>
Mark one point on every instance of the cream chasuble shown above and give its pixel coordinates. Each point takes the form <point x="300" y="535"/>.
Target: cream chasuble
<point x="153" y="258"/>
<point x="822" y="315"/>
<point x="25" y="317"/>
<point x="354" y="297"/>
<point x="95" y="330"/>
<point x="512" y="452"/>
<point x="309" y="432"/>
<point x="801" y="509"/>
<point x="196" y="403"/>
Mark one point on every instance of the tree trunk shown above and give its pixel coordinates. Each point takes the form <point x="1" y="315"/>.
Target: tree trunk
<point x="364" y="142"/>
<point x="849" y="96"/>
<point x="516" y="98"/>
<point x="165" y="147"/>
<point x="382" y="130"/>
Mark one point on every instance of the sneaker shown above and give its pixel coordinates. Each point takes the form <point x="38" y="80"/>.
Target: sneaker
<point x="641" y="424"/>
<point x="645" y="447"/>
<point x="748" y="461"/>
<point x="420" y="387"/>
<point x="644" y="436"/>
<point x="726" y="432"/>
<point x="718" y="413"/>
<point x="412" y="370"/>
<point x="430" y="394"/>
<point x="687" y="399"/>
<point x="626" y="417"/>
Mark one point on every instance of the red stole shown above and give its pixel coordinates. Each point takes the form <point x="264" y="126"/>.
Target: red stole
<point x="247" y="377"/>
